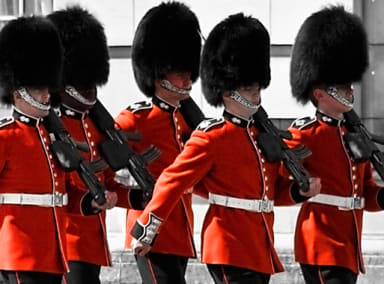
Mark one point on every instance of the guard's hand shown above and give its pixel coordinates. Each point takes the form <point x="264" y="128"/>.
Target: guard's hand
<point x="110" y="201"/>
<point x="314" y="187"/>
<point x="139" y="248"/>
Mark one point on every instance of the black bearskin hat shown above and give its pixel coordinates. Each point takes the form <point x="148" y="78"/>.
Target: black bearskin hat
<point x="330" y="48"/>
<point x="30" y="55"/>
<point x="236" y="53"/>
<point x="86" y="57"/>
<point x="167" y="39"/>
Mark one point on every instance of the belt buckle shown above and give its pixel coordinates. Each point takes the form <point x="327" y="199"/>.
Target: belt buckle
<point x="265" y="205"/>
<point x="358" y="203"/>
<point x="258" y="206"/>
<point x="58" y="199"/>
<point x="355" y="202"/>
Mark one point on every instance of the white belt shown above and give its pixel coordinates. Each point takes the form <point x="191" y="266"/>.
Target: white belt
<point x="45" y="200"/>
<point x="343" y="203"/>
<point x="254" y="205"/>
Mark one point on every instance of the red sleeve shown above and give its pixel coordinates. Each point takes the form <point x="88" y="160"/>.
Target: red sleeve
<point x="188" y="169"/>
<point x="126" y="120"/>
<point x="76" y="197"/>
<point x="284" y="195"/>
<point x="3" y="151"/>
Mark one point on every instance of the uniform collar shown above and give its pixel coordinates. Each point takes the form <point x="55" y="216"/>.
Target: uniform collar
<point x="163" y="104"/>
<point x="71" y="112"/>
<point x="328" y="120"/>
<point x="236" y="119"/>
<point x="25" y="118"/>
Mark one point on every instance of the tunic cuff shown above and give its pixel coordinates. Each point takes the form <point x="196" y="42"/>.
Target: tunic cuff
<point x="147" y="233"/>
<point x="86" y="206"/>
<point x="295" y="193"/>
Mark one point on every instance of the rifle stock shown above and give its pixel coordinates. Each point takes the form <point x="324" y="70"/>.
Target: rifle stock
<point x="288" y="156"/>
<point x="191" y="112"/>
<point x="69" y="157"/>
<point x="119" y="154"/>
<point x="355" y="125"/>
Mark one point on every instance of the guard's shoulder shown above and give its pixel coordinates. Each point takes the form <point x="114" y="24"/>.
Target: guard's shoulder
<point x="208" y="123"/>
<point x="135" y="107"/>
<point x="303" y="122"/>
<point x="6" y="121"/>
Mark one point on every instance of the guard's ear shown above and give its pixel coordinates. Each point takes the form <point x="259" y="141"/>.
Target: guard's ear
<point x="318" y="94"/>
<point x="16" y="96"/>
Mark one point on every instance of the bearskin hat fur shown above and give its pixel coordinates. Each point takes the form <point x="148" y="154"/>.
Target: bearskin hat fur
<point x="86" y="57"/>
<point x="236" y="53"/>
<point x="30" y="55"/>
<point x="330" y="48"/>
<point x="167" y="39"/>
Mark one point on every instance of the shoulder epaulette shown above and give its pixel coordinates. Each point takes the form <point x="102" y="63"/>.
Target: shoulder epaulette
<point x="139" y="106"/>
<point x="208" y="123"/>
<point x="300" y="123"/>
<point x="5" y="121"/>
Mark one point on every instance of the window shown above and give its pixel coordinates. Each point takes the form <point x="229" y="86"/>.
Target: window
<point x="10" y="9"/>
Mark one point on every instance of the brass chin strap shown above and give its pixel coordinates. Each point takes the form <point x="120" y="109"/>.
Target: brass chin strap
<point x="71" y="91"/>
<point x="235" y="95"/>
<point x="334" y="93"/>
<point x="31" y="101"/>
<point x="172" y="88"/>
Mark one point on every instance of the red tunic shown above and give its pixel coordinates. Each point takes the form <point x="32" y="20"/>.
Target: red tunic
<point x="163" y="126"/>
<point x="32" y="238"/>
<point x="326" y="235"/>
<point x="224" y="157"/>
<point x="87" y="235"/>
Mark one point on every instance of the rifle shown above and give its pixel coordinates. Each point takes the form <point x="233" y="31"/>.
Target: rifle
<point x="66" y="152"/>
<point x="119" y="154"/>
<point x="275" y="149"/>
<point x="361" y="144"/>
<point x="191" y="112"/>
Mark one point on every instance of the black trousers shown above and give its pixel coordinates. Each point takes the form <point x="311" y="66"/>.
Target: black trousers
<point x="158" y="268"/>
<point x="30" y="277"/>
<point x="323" y="274"/>
<point x="227" y="274"/>
<point x="82" y="272"/>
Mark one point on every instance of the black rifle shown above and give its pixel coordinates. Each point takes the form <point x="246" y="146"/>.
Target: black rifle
<point x="119" y="154"/>
<point x="191" y="112"/>
<point x="275" y="149"/>
<point x="66" y="152"/>
<point x="361" y="144"/>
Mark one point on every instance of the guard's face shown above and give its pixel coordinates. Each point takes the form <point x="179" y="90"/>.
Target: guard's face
<point x="89" y="93"/>
<point x="180" y="85"/>
<point x="41" y="95"/>
<point x="342" y="97"/>
<point x="180" y="79"/>
<point x="251" y="93"/>
<point x="334" y="100"/>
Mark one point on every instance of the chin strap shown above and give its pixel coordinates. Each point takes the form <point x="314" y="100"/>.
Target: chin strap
<point x="235" y="95"/>
<point x="334" y="93"/>
<point x="71" y="91"/>
<point x="172" y="88"/>
<point x="31" y="100"/>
